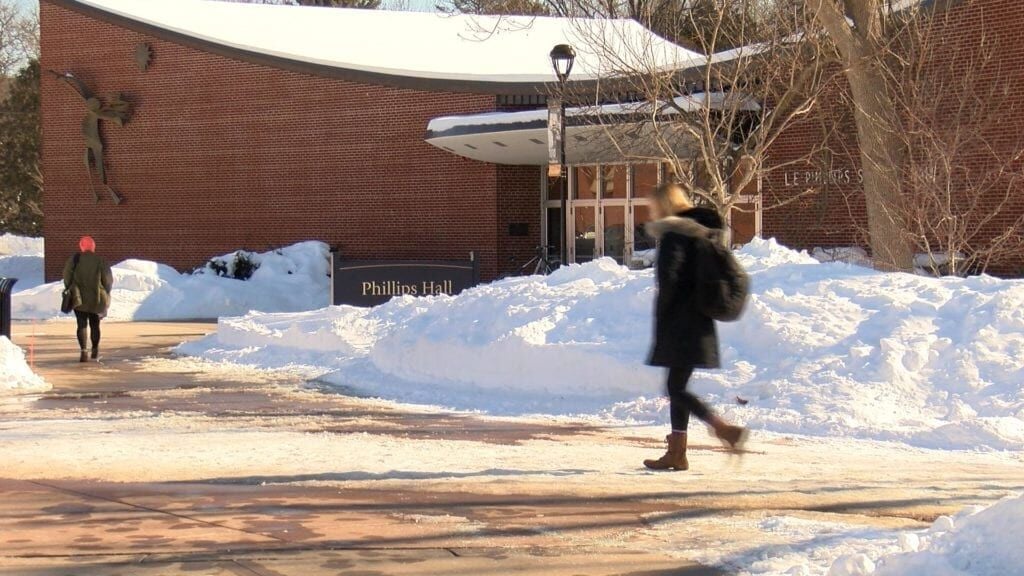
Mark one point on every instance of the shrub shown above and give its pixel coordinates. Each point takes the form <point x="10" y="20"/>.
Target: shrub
<point x="219" y="267"/>
<point x="241" y="267"/>
<point x="244" y="266"/>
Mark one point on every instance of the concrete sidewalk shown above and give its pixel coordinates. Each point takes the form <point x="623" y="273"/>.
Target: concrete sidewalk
<point x="81" y="527"/>
<point x="66" y="521"/>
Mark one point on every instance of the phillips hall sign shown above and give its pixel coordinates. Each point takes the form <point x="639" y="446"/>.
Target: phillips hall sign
<point x="372" y="282"/>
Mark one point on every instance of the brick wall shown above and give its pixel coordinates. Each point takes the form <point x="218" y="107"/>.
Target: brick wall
<point x="519" y="202"/>
<point x="222" y="154"/>
<point x="814" y="197"/>
<point x="834" y="213"/>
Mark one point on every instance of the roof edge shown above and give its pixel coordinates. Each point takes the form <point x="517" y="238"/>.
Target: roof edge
<point x="419" y="83"/>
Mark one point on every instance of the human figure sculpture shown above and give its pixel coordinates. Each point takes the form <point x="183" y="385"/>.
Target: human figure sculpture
<point x="117" y="110"/>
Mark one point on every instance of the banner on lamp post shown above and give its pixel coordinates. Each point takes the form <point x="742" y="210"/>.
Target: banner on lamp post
<point x="554" y="137"/>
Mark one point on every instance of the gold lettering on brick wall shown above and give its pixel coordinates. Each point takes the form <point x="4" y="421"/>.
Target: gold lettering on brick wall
<point x="795" y="178"/>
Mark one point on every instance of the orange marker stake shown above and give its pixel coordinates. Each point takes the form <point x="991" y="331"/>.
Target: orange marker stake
<point x="32" y="348"/>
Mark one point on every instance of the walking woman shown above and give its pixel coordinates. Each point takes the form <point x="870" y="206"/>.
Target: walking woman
<point x="684" y="336"/>
<point x="89" y="276"/>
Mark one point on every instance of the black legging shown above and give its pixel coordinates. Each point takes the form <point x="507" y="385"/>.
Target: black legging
<point x="94" y="328"/>
<point x="681" y="402"/>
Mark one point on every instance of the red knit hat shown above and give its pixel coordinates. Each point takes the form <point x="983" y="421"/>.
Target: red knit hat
<point x="87" y="244"/>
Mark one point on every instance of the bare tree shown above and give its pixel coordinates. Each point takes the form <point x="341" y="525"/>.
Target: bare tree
<point x="19" y="37"/>
<point x="495" y="7"/>
<point x="964" y="168"/>
<point x="368" y="4"/>
<point x="657" y="15"/>
<point x="714" y="118"/>
<point x="862" y="32"/>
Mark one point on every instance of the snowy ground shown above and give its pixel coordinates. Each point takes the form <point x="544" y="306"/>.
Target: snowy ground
<point x="823" y="350"/>
<point x="21" y="258"/>
<point x="15" y="374"/>
<point x="767" y="514"/>
<point x="859" y="365"/>
<point x="288" y="279"/>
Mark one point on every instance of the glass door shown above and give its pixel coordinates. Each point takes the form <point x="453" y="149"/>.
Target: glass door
<point x="612" y="214"/>
<point x="583" y="229"/>
<point x="608" y="210"/>
<point x="613" y="231"/>
<point x="645" y="178"/>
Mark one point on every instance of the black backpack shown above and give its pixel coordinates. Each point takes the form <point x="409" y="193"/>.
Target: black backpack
<point x="722" y="284"/>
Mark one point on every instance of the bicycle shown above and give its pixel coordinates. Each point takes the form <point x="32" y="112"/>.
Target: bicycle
<point x="541" y="263"/>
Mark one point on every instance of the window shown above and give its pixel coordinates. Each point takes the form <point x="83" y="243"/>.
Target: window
<point x="586" y="183"/>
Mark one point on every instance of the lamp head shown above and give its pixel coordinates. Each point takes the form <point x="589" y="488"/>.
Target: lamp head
<point x="562" y="57"/>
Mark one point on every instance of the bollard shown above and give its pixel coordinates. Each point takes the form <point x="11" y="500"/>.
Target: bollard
<point x="6" y="287"/>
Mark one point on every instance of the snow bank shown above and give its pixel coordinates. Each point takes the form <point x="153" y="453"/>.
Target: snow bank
<point x="15" y="375"/>
<point x="288" y="279"/>
<point x="21" y="258"/>
<point x="27" y="269"/>
<point x="823" y="349"/>
<point x="977" y="542"/>
<point x="11" y="244"/>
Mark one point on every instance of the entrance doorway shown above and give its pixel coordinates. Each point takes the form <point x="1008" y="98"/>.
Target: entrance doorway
<point x="608" y="209"/>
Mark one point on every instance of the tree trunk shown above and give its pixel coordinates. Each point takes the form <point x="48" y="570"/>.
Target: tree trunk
<point x="880" y="154"/>
<point x="875" y="115"/>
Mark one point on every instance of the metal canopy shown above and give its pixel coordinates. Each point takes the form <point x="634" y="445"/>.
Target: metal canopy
<point x="595" y="135"/>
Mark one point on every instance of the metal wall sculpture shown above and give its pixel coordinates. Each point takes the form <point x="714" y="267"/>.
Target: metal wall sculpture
<point x="143" y="56"/>
<point x="116" y="110"/>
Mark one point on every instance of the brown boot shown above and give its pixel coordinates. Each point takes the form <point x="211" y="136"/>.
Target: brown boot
<point x="675" y="458"/>
<point x="84" y="357"/>
<point x="732" y="436"/>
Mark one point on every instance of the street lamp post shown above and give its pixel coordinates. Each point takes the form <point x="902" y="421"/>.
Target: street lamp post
<point x="562" y="57"/>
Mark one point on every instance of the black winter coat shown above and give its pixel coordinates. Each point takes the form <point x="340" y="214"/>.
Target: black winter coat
<point x="683" y="335"/>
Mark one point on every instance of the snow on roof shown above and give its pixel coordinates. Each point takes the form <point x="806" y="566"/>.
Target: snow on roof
<point x="423" y="45"/>
<point x="504" y="120"/>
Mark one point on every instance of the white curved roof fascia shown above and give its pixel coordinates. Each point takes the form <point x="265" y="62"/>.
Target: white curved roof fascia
<point x="507" y="121"/>
<point x="413" y="44"/>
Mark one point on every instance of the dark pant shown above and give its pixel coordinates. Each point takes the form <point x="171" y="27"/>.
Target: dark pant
<point x="681" y="402"/>
<point x="94" y="328"/>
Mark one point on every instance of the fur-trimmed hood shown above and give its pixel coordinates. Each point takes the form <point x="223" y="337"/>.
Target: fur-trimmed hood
<point x="692" y="222"/>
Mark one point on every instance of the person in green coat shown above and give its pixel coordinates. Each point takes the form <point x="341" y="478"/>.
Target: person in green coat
<point x="89" y="278"/>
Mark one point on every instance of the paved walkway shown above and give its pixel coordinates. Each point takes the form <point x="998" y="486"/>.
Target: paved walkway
<point x="66" y="522"/>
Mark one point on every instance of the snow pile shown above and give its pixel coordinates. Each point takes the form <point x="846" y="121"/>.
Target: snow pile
<point x="978" y="541"/>
<point x="21" y="258"/>
<point x="11" y="244"/>
<point x="823" y="349"/>
<point x="849" y="255"/>
<point x="288" y="279"/>
<point x="15" y="374"/>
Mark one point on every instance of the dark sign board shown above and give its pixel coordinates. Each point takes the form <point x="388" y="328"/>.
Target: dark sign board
<point x="372" y="282"/>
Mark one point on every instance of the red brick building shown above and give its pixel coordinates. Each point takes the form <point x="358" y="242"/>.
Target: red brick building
<point x="232" y="144"/>
<point x="258" y="126"/>
<point x="965" y="66"/>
